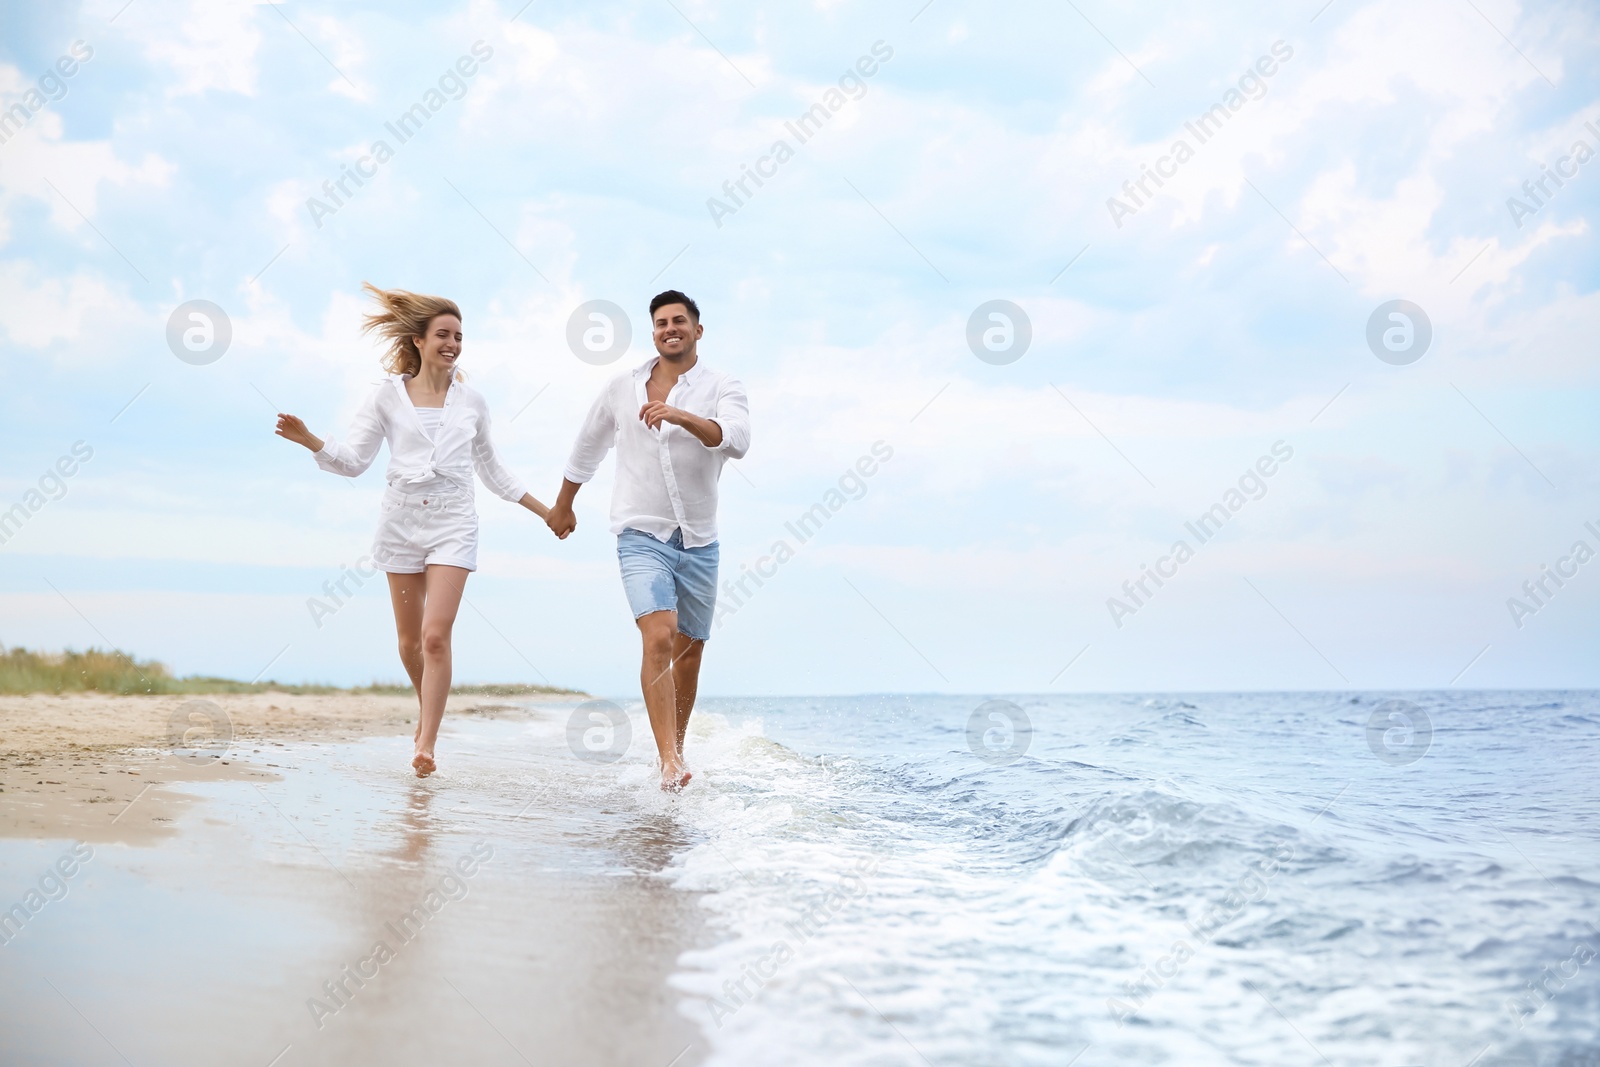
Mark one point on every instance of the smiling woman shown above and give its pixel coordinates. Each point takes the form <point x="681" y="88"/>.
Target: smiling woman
<point x="438" y="433"/>
<point x="404" y="319"/>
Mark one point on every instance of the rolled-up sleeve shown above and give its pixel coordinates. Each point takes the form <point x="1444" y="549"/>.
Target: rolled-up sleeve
<point x="595" y="438"/>
<point x="501" y="482"/>
<point x="733" y="415"/>
<point x="355" y="453"/>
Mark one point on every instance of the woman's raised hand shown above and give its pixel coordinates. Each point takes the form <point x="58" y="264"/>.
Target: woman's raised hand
<point x="290" y="428"/>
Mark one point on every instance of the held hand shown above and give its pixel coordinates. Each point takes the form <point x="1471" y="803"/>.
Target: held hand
<point x="655" y="413"/>
<point x="290" y="428"/>
<point x="532" y="503"/>
<point x="561" y="521"/>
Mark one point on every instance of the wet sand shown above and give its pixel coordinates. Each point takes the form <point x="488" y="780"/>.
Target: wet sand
<point x="63" y="756"/>
<point x="302" y="898"/>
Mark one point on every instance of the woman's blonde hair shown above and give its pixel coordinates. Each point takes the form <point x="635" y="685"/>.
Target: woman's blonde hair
<point x="401" y="317"/>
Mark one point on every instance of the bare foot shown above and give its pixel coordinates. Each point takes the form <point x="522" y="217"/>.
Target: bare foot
<point x="423" y="762"/>
<point x="674" y="778"/>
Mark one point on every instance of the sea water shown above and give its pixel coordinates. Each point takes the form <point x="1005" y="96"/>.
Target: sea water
<point x="1211" y="879"/>
<point x="1273" y="879"/>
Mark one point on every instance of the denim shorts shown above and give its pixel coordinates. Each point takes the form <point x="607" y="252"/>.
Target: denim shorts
<point x="665" y="576"/>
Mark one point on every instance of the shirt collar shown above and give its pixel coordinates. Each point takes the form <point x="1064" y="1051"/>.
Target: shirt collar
<point x="643" y="370"/>
<point x="399" y="381"/>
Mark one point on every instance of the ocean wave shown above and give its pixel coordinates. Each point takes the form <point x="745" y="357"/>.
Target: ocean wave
<point x="902" y="892"/>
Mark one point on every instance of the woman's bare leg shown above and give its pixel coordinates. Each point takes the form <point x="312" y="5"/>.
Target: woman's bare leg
<point x="406" y="594"/>
<point x="444" y="588"/>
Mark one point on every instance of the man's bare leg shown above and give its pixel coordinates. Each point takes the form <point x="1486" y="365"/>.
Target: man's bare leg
<point x="658" y="631"/>
<point x="685" y="680"/>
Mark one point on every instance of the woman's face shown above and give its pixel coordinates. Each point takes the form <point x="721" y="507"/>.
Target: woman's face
<point x="441" y="345"/>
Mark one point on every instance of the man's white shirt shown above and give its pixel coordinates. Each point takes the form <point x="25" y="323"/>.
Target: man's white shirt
<point x="666" y="478"/>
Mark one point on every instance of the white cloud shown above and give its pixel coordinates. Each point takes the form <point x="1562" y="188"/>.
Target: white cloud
<point x="81" y="317"/>
<point x="342" y="48"/>
<point x="592" y="144"/>
<point x="38" y="159"/>
<point x="204" y="45"/>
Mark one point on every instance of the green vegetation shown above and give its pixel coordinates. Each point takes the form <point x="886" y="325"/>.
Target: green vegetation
<point x="22" y="671"/>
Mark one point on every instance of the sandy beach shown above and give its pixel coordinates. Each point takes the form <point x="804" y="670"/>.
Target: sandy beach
<point x="300" y="897"/>
<point x="71" y="764"/>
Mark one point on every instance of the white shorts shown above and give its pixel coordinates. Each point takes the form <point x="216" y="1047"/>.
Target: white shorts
<point x="419" y="529"/>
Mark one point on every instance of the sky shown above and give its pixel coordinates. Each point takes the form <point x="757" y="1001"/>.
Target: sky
<point x="1302" y="267"/>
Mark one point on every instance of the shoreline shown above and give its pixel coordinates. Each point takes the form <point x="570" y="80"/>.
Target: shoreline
<point x="72" y="764"/>
<point x="508" y="926"/>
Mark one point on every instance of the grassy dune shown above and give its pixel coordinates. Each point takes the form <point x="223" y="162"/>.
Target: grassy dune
<point x="96" y="671"/>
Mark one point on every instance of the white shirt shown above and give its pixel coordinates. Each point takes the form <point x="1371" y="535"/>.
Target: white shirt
<point x="416" y="460"/>
<point x="666" y="478"/>
<point x="431" y="419"/>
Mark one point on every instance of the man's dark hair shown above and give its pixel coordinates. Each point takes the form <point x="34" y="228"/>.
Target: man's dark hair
<point x="672" y="296"/>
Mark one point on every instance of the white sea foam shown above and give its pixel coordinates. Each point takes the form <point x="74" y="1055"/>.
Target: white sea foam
<point x="1157" y="893"/>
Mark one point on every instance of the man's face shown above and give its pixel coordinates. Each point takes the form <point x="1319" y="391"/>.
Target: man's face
<point x="675" y="331"/>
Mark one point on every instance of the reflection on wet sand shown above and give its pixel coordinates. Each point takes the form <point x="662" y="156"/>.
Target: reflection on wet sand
<point x="415" y="824"/>
<point x="398" y="922"/>
<point x="649" y="845"/>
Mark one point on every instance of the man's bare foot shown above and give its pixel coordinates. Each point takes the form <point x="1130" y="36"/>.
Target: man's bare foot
<point x="674" y="777"/>
<point x="423" y="762"/>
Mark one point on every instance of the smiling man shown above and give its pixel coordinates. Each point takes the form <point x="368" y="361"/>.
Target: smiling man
<point x="675" y="422"/>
